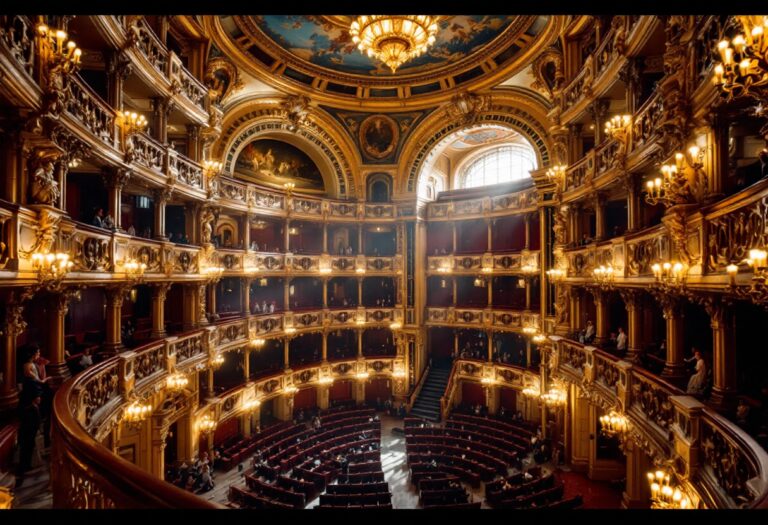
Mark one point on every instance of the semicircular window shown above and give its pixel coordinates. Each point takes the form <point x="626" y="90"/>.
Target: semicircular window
<point x="503" y="164"/>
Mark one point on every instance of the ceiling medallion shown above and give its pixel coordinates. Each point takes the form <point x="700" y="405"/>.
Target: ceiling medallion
<point x="393" y="39"/>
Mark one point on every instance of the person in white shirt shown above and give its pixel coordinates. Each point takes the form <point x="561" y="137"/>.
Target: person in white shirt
<point x="589" y="332"/>
<point x="621" y="340"/>
<point x="86" y="360"/>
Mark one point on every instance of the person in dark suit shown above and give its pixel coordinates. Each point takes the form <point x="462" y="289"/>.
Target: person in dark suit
<point x="29" y="417"/>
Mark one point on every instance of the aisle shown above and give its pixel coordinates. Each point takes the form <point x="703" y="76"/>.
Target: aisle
<point x="393" y="463"/>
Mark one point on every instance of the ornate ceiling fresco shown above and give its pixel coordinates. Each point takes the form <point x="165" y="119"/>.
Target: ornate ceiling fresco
<point x="314" y="55"/>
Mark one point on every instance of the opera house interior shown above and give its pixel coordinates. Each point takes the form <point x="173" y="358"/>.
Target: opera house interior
<point x="383" y="262"/>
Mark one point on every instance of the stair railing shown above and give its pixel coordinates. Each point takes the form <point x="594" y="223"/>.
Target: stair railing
<point x="445" y="400"/>
<point x="417" y="389"/>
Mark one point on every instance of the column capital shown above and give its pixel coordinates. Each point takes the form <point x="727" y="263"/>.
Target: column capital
<point x="160" y="289"/>
<point x="630" y="296"/>
<point x="163" y="195"/>
<point x="119" y="64"/>
<point x="116" y="178"/>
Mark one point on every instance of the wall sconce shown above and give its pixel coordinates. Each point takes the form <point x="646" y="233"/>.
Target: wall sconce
<point x="556" y="275"/>
<point x="670" y="275"/>
<point x="618" y="127"/>
<point x="325" y="380"/>
<point x="532" y="391"/>
<point x="290" y="390"/>
<point x="539" y="338"/>
<point x="134" y="270"/>
<point x="217" y="360"/>
<point x="213" y="273"/>
<point x="212" y="168"/>
<point x="289" y="186"/>
<point x="132" y="123"/>
<point x="604" y="276"/>
<point x="614" y="423"/>
<point x="253" y="404"/>
<point x="664" y="495"/>
<point x="206" y="424"/>
<point x="479" y="282"/>
<point x="293" y="230"/>
<point x="395" y="325"/>
<point x="258" y="342"/>
<point x="757" y="291"/>
<point x="176" y="382"/>
<point x="64" y="53"/>
<point x="263" y="282"/>
<point x="529" y="269"/>
<point x="136" y="413"/>
<point x="443" y="283"/>
<point x="362" y="376"/>
<point x="680" y="181"/>
<point x="51" y="268"/>
<point x="743" y="67"/>
<point x="290" y="330"/>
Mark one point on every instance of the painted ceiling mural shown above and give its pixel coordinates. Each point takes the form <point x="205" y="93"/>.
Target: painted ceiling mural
<point x="379" y="137"/>
<point x="322" y="41"/>
<point x="273" y="163"/>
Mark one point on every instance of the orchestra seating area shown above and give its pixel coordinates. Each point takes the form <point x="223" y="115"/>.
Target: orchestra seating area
<point x="294" y="463"/>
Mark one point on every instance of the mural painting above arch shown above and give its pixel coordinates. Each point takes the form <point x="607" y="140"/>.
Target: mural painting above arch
<point x="275" y="163"/>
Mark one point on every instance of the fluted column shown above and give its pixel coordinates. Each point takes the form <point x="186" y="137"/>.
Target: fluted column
<point x="359" y="343"/>
<point x="113" y="338"/>
<point x="674" y="367"/>
<point x="287" y="294"/>
<point x="359" y="291"/>
<point x="633" y="302"/>
<point x="161" y="198"/>
<point x="575" y="307"/>
<point x="191" y="306"/>
<point x="286" y="353"/>
<point x="247" y="363"/>
<point x="636" y="493"/>
<point x="599" y="202"/>
<point x="724" y="384"/>
<point x="325" y="292"/>
<point x="159" y="294"/>
<point x="161" y="108"/>
<point x="601" y="316"/>
<point x="527" y="219"/>
<point x="325" y="346"/>
<point x="57" y="367"/>
<point x="13" y="326"/>
<point x="193" y="142"/>
<point x="489" y="339"/>
<point x="119" y="69"/>
<point x="115" y="180"/>
<point x="634" y="206"/>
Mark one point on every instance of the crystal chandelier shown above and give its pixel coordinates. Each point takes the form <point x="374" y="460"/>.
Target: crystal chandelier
<point x="177" y="382"/>
<point x="743" y="71"/>
<point x="206" y="424"/>
<point x="393" y="39"/>
<point x="604" y="276"/>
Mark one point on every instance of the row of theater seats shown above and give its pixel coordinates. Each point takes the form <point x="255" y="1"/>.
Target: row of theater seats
<point x="531" y="489"/>
<point x="294" y="463"/>
<point x="236" y="450"/>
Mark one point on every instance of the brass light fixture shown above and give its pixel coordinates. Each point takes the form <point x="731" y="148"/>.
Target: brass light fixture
<point x="613" y="423"/>
<point x="212" y="168"/>
<point x="51" y="268"/>
<point x="665" y="495"/>
<point x="213" y="273"/>
<point x="206" y="424"/>
<point x="258" y="342"/>
<point x="134" y="270"/>
<point x="757" y="291"/>
<point x="556" y="275"/>
<point x="604" y="276"/>
<point x="177" y="382"/>
<point x="681" y="181"/>
<point x="743" y="70"/>
<point x="618" y="127"/>
<point x="136" y="413"/>
<point x="131" y="122"/>
<point x="670" y="275"/>
<point x="394" y="39"/>
<point x="64" y="53"/>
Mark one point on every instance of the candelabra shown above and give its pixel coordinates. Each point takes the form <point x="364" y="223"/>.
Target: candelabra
<point x="613" y="424"/>
<point x="539" y="338"/>
<point x="670" y="276"/>
<point x="362" y="376"/>
<point x="250" y="406"/>
<point x="63" y="53"/>
<point x="604" y="276"/>
<point x="532" y="391"/>
<point x="213" y="273"/>
<point x="131" y="122"/>
<point x="258" y="342"/>
<point x="681" y="181"/>
<point x="206" y="424"/>
<point x="217" y="360"/>
<point x="134" y="270"/>
<point x="757" y="291"/>
<point x="555" y="397"/>
<point x="743" y="70"/>
<point x="529" y="329"/>
<point x="556" y="174"/>
<point x="177" y="382"/>
<point x="395" y="325"/>
<point x="556" y="275"/>
<point x="290" y="390"/>
<point x="618" y="127"/>
<point x="212" y="168"/>
<point x="479" y="282"/>
<point x="664" y="495"/>
<point x="51" y="268"/>
<point x="135" y="413"/>
<point x="289" y="186"/>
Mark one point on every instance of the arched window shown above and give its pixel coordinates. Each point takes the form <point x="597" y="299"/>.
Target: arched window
<point x="430" y="186"/>
<point x="503" y="164"/>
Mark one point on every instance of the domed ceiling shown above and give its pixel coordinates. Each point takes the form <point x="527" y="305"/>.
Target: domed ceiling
<point x="315" y="55"/>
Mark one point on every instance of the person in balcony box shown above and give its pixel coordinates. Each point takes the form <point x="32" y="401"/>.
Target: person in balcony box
<point x="98" y="218"/>
<point x="589" y="332"/>
<point x="698" y="381"/>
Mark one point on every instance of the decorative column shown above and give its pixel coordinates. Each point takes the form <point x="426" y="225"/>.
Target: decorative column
<point x="634" y="206"/>
<point x="247" y="363"/>
<point x="113" y="336"/>
<point x="193" y="304"/>
<point x="57" y="368"/>
<point x="287" y="236"/>
<point x="119" y="68"/>
<point x="454" y="239"/>
<point x="13" y="326"/>
<point x="159" y="293"/>
<point x="287" y="294"/>
<point x="287" y="353"/>
<point x="674" y="367"/>
<point x="159" y="432"/>
<point x="489" y="284"/>
<point x="161" y="108"/>
<point x="359" y="292"/>
<point x="246" y="294"/>
<point x="719" y="154"/>
<point x="359" y="343"/>
<point x="325" y="347"/>
<point x="212" y="312"/>
<point x="602" y="317"/>
<point x="574" y="223"/>
<point x="598" y="110"/>
<point x="325" y="237"/>
<point x="636" y="492"/>
<point x="161" y="198"/>
<point x="359" y="392"/>
<point x="724" y="383"/>
<point x="193" y="142"/>
<point x="454" y="288"/>
<point x="203" y="309"/>
<point x="527" y="220"/>
<point x="246" y="233"/>
<point x="489" y="338"/>
<point x="325" y="293"/>
<point x="527" y="282"/>
<point x="489" y="237"/>
<point x="633" y="302"/>
<point x="575" y="307"/>
<point x="599" y="202"/>
<point x="115" y="180"/>
<point x="360" y="249"/>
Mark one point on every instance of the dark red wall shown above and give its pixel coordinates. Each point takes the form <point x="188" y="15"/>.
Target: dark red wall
<point x="508" y="399"/>
<point x="472" y="393"/>
<point x="270" y="239"/>
<point x="469" y="295"/>
<point x="437" y="295"/>
<point x="471" y="236"/>
<point x="305" y="398"/>
<point x="440" y="342"/>
<point x="340" y="391"/>
<point x="439" y="237"/>
<point x="378" y="387"/>
<point x="508" y="234"/>
<point x="226" y="429"/>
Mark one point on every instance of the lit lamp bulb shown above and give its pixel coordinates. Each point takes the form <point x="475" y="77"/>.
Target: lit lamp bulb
<point x="732" y="270"/>
<point x="758" y="258"/>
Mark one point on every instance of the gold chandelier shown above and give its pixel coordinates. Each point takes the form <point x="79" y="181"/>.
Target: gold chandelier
<point x="393" y="39"/>
<point x="177" y="382"/>
<point x="743" y="71"/>
<point x="665" y="495"/>
<point x="757" y="290"/>
<point x="136" y="413"/>
<point x="613" y="423"/>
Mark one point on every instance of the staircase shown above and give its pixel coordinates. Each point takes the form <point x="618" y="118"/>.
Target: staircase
<point x="427" y="405"/>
